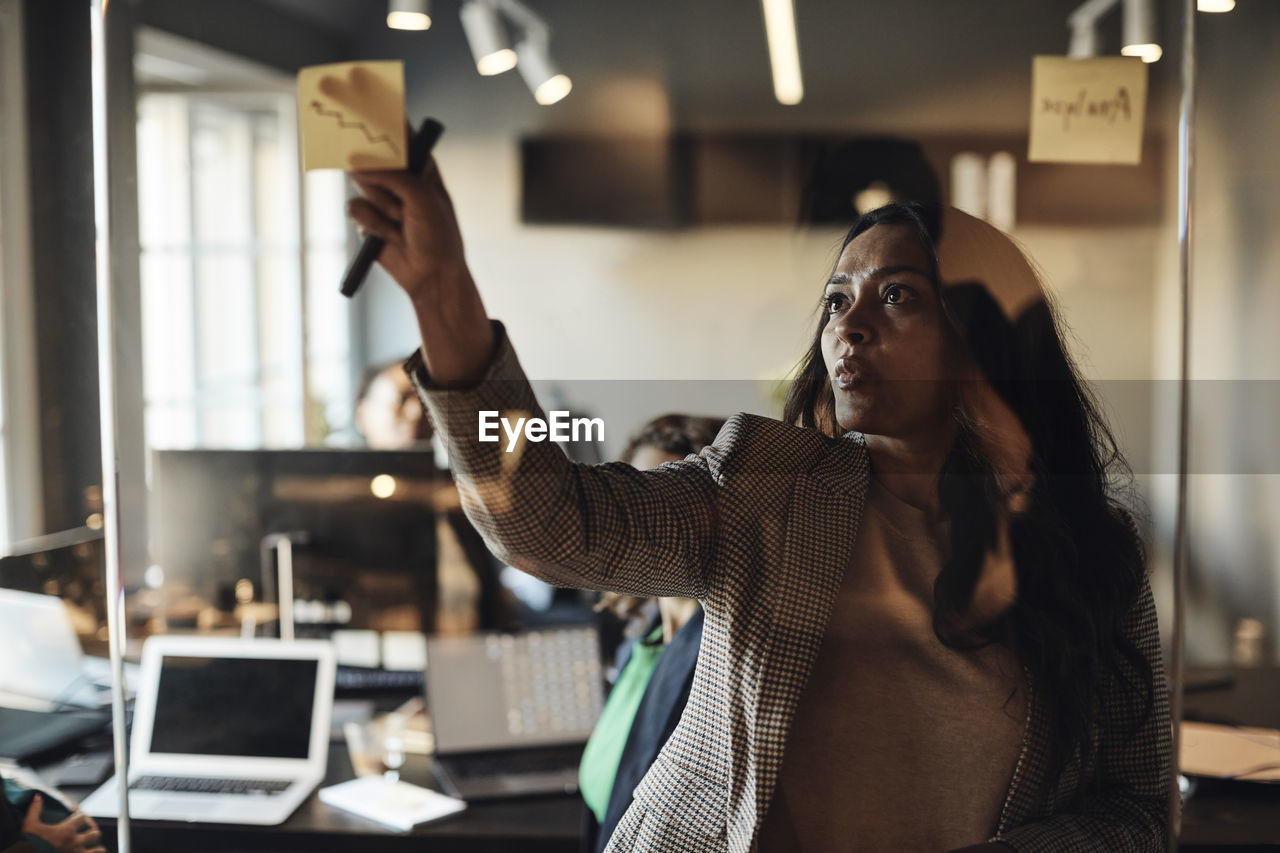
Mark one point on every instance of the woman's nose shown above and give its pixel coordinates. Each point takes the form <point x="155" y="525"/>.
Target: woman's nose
<point x="853" y="327"/>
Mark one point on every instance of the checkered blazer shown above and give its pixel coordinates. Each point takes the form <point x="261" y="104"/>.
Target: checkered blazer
<point x="759" y="527"/>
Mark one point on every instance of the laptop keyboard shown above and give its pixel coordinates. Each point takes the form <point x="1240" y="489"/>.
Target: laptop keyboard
<point x="358" y="678"/>
<point x="518" y="762"/>
<point x="198" y="785"/>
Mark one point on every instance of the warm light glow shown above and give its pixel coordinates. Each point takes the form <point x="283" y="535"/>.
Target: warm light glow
<point x="1216" y="5"/>
<point x="94" y="521"/>
<point x="875" y="195"/>
<point x="496" y="62"/>
<point x="1145" y="52"/>
<point x="553" y="90"/>
<point x="153" y="577"/>
<point x="383" y="486"/>
<point x="244" y="591"/>
<point x="784" y="52"/>
<point x="408" y="21"/>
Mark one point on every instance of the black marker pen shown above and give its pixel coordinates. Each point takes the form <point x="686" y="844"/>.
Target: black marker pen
<point x="419" y="150"/>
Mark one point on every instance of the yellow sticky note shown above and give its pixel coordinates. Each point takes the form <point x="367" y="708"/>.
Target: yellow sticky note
<point x="351" y="116"/>
<point x="1087" y="110"/>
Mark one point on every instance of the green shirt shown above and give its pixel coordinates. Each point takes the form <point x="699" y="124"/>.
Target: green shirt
<point x="604" y="749"/>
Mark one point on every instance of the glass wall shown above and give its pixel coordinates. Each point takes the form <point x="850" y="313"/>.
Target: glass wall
<point x="657" y="242"/>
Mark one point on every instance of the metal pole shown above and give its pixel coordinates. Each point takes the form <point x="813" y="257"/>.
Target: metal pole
<point x="107" y="409"/>
<point x="1186" y="163"/>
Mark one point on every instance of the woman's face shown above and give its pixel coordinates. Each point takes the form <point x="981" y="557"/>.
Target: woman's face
<point x="884" y="343"/>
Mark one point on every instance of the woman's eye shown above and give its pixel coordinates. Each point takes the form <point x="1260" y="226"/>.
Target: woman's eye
<point x="896" y="294"/>
<point x="834" y="303"/>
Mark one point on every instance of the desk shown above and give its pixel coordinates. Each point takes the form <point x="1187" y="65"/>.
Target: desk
<point x="534" y="825"/>
<point x="1234" y="815"/>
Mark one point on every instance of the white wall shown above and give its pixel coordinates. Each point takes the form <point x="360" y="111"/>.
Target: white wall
<point x="734" y="305"/>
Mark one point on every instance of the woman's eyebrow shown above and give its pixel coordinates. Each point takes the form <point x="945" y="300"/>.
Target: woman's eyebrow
<point x="878" y="272"/>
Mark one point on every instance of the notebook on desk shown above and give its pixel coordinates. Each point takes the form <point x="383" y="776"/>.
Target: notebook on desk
<point x="226" y="730"/>
<point x="511" y="713"/>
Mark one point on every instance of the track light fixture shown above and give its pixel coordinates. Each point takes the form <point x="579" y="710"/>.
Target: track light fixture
<point x="1139" y="28"/>
<point x="487" y="37"/>
<point x="409" y="14"/>
<point x="540" y="73"/>
<point x="1084" y="40"/>
<point x="487" y="34"/>
<point x="482" y="20"/>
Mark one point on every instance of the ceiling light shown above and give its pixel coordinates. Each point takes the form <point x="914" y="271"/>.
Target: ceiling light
<point x="540" y="73"/>
<point x="487" y="37"/>
<point x="1215" y="5"/>
<point x="409" y="14"/>
<point x="1140" y="30"/>
<point x="784" y="51"/>
<point x="1084" y="40"/>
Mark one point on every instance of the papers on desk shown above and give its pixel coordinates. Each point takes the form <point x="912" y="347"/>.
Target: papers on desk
<point x="1230" y="752"/>
<point x="398" y="805"/>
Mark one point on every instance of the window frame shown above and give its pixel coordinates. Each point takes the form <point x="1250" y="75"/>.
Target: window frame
<point x="21" y="510"/>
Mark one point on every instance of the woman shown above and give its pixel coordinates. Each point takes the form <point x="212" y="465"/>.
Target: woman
<point x="1023" y="707"/>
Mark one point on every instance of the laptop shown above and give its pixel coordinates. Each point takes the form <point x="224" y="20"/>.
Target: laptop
<point x="26" y="735"/>
<point x="225" y="730"/>
<point x="511" y="713"/>
<point x="44" y="668"/>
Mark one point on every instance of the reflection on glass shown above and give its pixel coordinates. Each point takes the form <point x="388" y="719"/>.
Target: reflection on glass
<point x="246" y="345"/>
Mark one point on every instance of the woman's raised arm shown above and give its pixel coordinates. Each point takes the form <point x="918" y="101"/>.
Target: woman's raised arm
<point x="607" y="527"/>
<point x="413" y="216"/>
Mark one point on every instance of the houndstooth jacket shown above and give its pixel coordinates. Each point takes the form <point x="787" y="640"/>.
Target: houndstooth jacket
<point x="759" y="528"/>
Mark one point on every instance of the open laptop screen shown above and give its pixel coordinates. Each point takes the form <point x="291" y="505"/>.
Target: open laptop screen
<point x="500" y="691"/>
<point x="259" y="707"/>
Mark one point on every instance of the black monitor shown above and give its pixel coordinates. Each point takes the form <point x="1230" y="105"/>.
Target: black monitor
<point x="364" y="522"/>
<point x="68" y="564"/>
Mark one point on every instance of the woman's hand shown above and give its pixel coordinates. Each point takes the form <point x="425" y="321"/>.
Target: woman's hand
<point x="77" y="834"/>
<point x="413" y="216"/>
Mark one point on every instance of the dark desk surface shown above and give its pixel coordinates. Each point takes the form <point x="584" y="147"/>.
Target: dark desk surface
<point x="1234" y="815"/>
<point x="532" y="825"/>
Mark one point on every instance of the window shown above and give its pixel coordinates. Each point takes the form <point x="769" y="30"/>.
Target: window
<point x="246" y="341"/>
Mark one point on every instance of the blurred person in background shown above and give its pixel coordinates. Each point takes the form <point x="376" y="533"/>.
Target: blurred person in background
<point x="388" y="413"/>
<point x="653" y="683"/>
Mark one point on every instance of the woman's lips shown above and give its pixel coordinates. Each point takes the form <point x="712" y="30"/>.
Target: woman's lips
<point x="850" y="373"/>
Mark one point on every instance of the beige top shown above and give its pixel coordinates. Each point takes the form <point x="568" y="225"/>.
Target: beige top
<point x="898" y="743"/>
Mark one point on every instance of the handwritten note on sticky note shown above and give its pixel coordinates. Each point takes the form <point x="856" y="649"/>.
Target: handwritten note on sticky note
<point x="351" y="116"/>
<point x="1087" y="110"/>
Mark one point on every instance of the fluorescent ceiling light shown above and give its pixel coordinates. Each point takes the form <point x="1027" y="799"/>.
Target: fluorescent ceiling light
<point x="487" y="38"/>
<point x="408" y="14"/>
<point x="1215" y="5"/>
<point x="540" y="73"/>
<point x="784" y="52"/>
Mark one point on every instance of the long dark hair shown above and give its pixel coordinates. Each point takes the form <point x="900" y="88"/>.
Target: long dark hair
<point x="1078" y="559"/>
